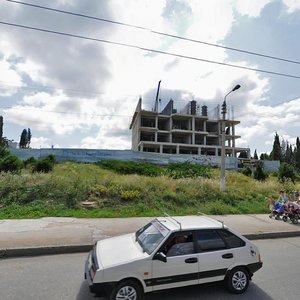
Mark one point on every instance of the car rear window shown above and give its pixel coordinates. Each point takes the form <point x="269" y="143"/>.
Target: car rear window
<point x="209" y="240"/>
<point x="231" y="239"/>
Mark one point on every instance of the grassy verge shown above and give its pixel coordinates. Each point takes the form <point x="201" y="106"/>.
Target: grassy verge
<point x="61" y="192"/>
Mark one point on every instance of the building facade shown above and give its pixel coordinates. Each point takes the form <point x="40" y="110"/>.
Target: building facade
<point x="190" y="131"/>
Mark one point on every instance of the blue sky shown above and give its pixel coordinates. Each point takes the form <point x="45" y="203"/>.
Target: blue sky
<point x="80" y="93"/>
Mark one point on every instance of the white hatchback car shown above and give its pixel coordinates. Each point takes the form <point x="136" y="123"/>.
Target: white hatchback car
<point x="168" y="253"/>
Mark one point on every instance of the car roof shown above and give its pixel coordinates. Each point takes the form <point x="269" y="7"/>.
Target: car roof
<point x="190" y="223"/>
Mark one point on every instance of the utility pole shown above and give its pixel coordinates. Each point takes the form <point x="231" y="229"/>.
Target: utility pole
<point x="223" y="154"/>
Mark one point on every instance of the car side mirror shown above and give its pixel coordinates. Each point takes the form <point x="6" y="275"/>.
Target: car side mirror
<point x="160" y="256"/>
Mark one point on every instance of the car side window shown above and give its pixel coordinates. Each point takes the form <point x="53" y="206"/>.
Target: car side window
<point x="231" y="239"/>
<point x="209" y="240"/>
<point x="179" y="244"/>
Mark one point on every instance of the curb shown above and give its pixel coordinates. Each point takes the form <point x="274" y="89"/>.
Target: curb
<point x="49" y="250"/>
<point x="53" y="250"/>
<point x="271" y="235"/>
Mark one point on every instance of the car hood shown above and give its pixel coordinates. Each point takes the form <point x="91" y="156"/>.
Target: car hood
<point x="118" y="250"/>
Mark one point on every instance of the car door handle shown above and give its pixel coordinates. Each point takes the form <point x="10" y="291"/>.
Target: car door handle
<point x="227" y="255"/>
<point x="191" y="260"/>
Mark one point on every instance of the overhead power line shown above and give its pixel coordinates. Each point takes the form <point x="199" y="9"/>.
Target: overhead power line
<point x="148" y="49"/>
<point x="154" y="31"/>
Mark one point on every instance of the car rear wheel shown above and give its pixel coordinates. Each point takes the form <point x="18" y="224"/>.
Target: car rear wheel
<point x="238" y="280"/>
<point x="127" y="290"/>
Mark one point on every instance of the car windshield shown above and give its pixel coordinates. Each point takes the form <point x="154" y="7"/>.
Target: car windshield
<point x="151" y="235"/>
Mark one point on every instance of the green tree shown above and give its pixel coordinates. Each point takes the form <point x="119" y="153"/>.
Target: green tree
<point x="286" y="172"/>
<point x="45" y="164"/>
<point x="247" y="171"/>
<point x="288" y="153"/>
<point x="3" y="140"/>
<point x="28" y="138"/>
<point x="276" y="153"/>
<point x="11" y="163"/>
<point x="296" y="155"/>
<point x="1" y="127"/>
<point x="259" y="174"/>
<point x="265" y="156"/>
<point x="23" y="139"/>
<point x="255" y="155"/>
<point x="3" y="152"/>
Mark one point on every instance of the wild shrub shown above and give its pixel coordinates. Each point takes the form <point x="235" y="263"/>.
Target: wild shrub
<point x="130" y="167"/>
<point x="259" y="174"/>
<point x="4" y="152"/>
<point x="187" y="170"/>
<point x="30" y="162"/>
<point x="45" y="165"/>
<point x="129" y="195"/>
<point x="10" y="163"/>
<point x="247" y="171"/>
<point x="286" y="172"/>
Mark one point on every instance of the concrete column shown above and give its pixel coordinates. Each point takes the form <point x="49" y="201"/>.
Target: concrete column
<point x="193" y="129"/>
<point x="177" y="149"/>
<point x="233" y="134"/>
<point x="160" y="148"/>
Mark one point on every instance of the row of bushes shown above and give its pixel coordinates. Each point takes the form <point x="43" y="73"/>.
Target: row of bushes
<point x="175" y="171"/>
<point x="11" y="163"/>
<point x="285" y="173"/>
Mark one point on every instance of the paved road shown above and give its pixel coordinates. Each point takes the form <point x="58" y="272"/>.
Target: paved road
<point x="60" y="277"/>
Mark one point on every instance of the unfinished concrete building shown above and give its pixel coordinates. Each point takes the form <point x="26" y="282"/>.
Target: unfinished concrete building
<point x="189" y="131"/>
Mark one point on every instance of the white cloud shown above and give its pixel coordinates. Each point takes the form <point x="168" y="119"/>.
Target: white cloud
<point x="251" y="8"/>
<point x="33" y="70"/>
<point x="211" y="20"/>
<point x="10" y="80"/>
<point x="292" y="5"/>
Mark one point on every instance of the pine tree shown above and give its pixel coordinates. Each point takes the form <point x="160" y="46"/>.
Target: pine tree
<point x="297" y="155"/>
<point x="265" y="156"/>
<point x="1" y="128"/>
<point x="255" y="155"/>
<point x="28" y="138"/>
<point x="259" y="173"/>
<point x="283" y="147"/>
<point x="23" y="139"/>
<point x="288" y="153"/>
<point x="276" y="153"/>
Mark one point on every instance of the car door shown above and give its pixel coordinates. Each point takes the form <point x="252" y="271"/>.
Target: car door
<point x="180" y="269"/>
<point x="214" y="255"/>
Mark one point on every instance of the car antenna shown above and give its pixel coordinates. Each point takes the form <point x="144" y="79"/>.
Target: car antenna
<point x="205" y="215"/>
<point x="167" y="215"/>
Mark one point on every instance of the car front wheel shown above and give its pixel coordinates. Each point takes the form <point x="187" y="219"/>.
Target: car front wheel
<point x="238" y="280"/>
<point x="127" y="290"/>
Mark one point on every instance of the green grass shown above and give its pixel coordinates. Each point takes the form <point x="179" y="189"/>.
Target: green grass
<point x="60" y="192"/>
